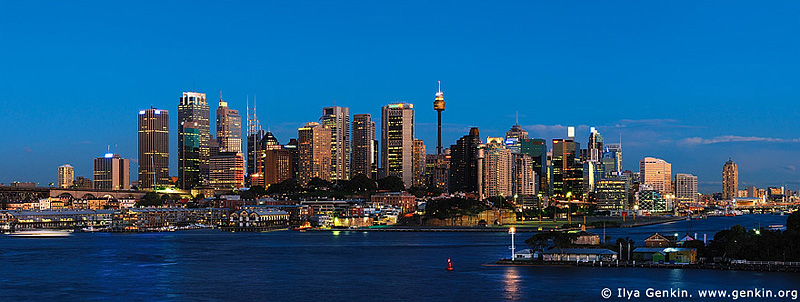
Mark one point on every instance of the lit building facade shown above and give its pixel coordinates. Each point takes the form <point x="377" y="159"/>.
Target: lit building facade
<point x="338" y="120"/>
<point x="153" y="148"/>
<point x="567" y="170"/>
<point x="437" y="170"/>
<point x="314" y="152"/>
<point x="66" y="176"/>
<point x="730" y="180"/>
<point x="227" y="171"/>
<point x="611" y="194"/>
<point x="193" y="111"/>
<point x="685" y="188"/>
<point x="229" y="128"/>
<point x="365" y="159"/>
<point x="277" y="165"/>
<point x="496" y="168"/>
<point x="111" y="172"/>
<point x="523" y="177"/>
<point x="397" y="141"/>
<point x="656" y="173"/>
<point x="419" y="162"/>
<point x="537" y="150"/>
<point x="514" y="138"/>
<point x="189" y="156"/>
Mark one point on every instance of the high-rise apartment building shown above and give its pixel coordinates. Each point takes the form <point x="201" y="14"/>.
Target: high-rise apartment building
<point x="419" y="162"/>
<point x="226" y="171"/>
<point x="338" y="120"/>
<point x="685" y="188"/>
<point x="496" y="168"/>
<point x="229" y="128"/>
<point x="314" y="152"/>
<point x="657" y="173"/>
<point x="514" y="138"/>
<point x="66" y="176"/>
<point x="523" y="177"/>
<point x="437" y="170"/>
<point x="364" y="160"/>
<point x="397" y="141"/>
<point x="730" y="179"/>
<point x="153" y="148"/>
<point x="464" y="163"/>
<point x="595" y="147"/>
<point x="193" y="111"/>
<point x="111" y="172"/>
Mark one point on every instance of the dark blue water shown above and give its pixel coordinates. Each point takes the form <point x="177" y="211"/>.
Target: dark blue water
<point x="332" y="266"/>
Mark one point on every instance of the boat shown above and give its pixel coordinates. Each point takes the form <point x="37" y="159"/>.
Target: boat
<point x="92" y="229"/>
<point x="777" y="227"/>
<point x="40" y="233"/>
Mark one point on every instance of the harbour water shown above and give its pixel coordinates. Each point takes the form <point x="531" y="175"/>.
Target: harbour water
<point x="209" y="265"/>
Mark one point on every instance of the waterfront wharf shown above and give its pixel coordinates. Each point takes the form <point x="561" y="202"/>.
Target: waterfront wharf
<point x="763" y="266"/>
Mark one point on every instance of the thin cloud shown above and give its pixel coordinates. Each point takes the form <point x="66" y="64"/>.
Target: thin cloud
<point x="735" y="139"/>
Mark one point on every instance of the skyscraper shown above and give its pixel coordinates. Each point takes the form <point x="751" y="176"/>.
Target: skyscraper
<point x="254" y="146"/>
<point x="437" y="170"/>
<point x="364" y="159"/>
<point x="612" y="160"/>
<point x="111" y="172"/>
<point x="730" y="179"/>
<point x="397" y="141"/>
<point x="595" y="146"/>
<point x="419" y="162"/>
<point x="464" y="163"/>
<point x="66" y="176"/>
<point x="229" y="128"/>
<point x="514" y="138"/>
<point x="496" y="168"/>
<point x="314" y="152"/>
<point x="685" y="188"/>
<point x="338" y="120"/>
<point x="537" y="150"/>
<point x="189" y="156"/>
<point x="153" y="148"/>
<point x="657" y="173"/>
<point x="193" y="110"/>
<point x="567" y="170"/>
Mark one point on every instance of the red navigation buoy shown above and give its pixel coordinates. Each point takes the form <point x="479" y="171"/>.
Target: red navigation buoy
<point x="449" y="265"/>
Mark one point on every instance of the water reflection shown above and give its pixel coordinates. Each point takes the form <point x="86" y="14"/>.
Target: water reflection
<point x="511" y="284"/>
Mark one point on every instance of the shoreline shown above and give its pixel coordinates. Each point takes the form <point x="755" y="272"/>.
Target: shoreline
<point x="763" y="266"/>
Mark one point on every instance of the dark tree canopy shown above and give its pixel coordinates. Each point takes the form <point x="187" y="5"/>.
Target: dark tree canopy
<point x="150" y="199"/>
<point x="391" y="183"/>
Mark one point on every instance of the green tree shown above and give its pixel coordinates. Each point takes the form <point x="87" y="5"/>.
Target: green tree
<point x="149" y="199"/>
<point x="317" y="183"/>
<point x="793" y="222"/>
<point x="391" y="183"/>
<point x="359" y="184"/>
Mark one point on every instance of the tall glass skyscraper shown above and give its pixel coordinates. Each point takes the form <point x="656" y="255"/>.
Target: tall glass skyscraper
<point x="464" y="163"/>
<point x="338" y="120"/>
<point x="397" y="141"/>
<point x="193" y="111"/>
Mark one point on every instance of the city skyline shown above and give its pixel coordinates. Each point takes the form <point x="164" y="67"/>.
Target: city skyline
<point x="684" y="103"/>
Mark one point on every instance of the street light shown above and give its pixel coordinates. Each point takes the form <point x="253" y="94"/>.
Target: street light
<point x="512" y="231"/>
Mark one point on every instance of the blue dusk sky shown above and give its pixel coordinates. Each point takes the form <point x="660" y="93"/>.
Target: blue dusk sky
<point x="692" y="82"/>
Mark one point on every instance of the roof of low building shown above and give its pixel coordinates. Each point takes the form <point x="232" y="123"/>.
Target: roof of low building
<point x="583" y="251"/>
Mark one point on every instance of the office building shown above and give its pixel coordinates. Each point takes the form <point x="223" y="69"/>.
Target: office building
<point x="229" y="128"/>
<point x="111" y="172"/>
<point x="226" y="171"/>
<point x="656" y="173"/>
<point x="419" y="163"/>
<point x="338" y="120"/>
<point x="730" y="180"/>
<point x="611" y="194"/>
<point x="314" y="152"/>
<point x="66" y="176"/>
<point x="514" y="138"/>
<point x="277" y="165"/>
<point x="595" y="147"/>
<point x="193" y="111"/>
<point x="437" y="170"/>
<point x="153" y="149"/>
<point x="189" y="156"/>
<point x="464" y="163"/>
<point x="364" y="145"/>
<point x="397" y="141"/>
<point x="537" y="150"/>
<point x="567" y="170"/>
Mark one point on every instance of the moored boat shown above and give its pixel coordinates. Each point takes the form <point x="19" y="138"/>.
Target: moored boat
<point x="40" y="233"/>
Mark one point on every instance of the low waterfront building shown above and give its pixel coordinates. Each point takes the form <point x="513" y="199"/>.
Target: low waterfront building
<point x="259" y="218"/>
<point x="401" y="199"/>
<point x="586" y="238"/>
<point x="149" y="219"/>
<point x="578" y="254"/>
<point x="56" y="219"/>
<point x="665" y="255"/>
<point x="657" y="240"/>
